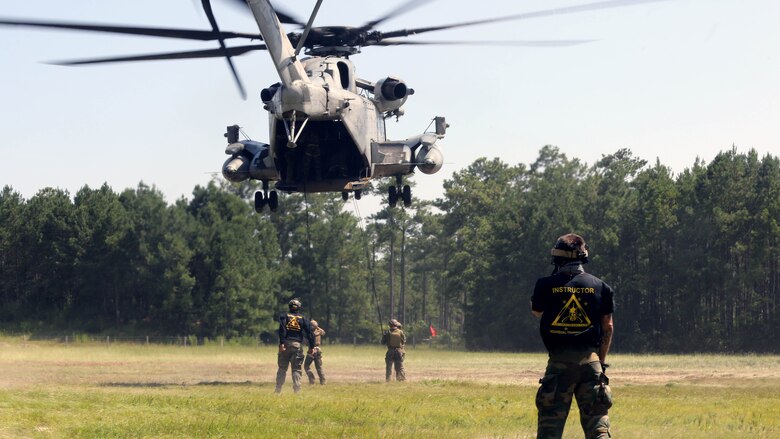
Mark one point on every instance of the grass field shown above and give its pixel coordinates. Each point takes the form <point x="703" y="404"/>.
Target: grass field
<point x="122" y="390"/>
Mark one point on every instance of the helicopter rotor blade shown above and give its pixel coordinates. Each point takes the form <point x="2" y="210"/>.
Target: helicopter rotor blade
<point x="306" y="30"/>
<point x="186" y="34"/>
<point x="538" y="43"/>
<point x="404" y="8"/>
<point x="544" y="13"/>
<point x="284" y="17"/>
<point x="208" y="53"/>
<point x="213" y="21"/>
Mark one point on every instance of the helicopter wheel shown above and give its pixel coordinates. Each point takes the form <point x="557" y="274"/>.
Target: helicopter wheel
<point x="344" y="195"/>
<point x="358" y="194"/>
<point x="259" y="201"/>
<point x="273" y="201"/>
<point x="407" y="196"/>
<point x="392" y="196"/>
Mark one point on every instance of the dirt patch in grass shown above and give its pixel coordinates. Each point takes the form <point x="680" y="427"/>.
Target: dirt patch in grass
<point x="176" y="366"/>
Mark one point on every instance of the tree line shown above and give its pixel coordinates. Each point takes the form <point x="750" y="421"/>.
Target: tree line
<point x="693" y="257"/>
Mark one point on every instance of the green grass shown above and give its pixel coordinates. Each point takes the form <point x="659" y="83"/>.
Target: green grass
<point x="51" y="390"/>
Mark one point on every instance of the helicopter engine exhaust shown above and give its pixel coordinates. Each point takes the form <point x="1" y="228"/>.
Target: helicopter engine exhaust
<point x="391" y="93"/>
<point x="268" y="93"/>
<point x="393" y="89"/>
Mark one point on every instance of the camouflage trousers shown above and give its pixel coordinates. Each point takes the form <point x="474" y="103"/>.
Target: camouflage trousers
<point x="395" y="357"/>
<point x="578" y="375"/>
<point x="315" y="358"/>
<point x="292" y="355"/>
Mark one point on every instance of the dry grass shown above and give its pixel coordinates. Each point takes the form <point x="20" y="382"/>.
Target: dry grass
<point x="122" y="390"/>
<point x="24" y="364"/>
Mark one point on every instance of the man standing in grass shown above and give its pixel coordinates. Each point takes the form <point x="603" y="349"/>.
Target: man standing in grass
<point x="316" y="354"/>
<point x="292" y="327"/>
<point x="395" y="339"/>
<point x="575" y="312"/>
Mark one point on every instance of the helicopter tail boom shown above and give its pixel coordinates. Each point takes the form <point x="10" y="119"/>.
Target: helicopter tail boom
<point x="279" y="46"/>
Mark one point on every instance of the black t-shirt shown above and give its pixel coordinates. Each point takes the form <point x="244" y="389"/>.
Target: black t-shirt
<point x="292" y="327"/>
<point x="573" y="304"/>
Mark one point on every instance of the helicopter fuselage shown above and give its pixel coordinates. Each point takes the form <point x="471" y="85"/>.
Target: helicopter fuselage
<point x="326" y="126"/>
<point x="321" y="131"/>
<point x="328" y="134"/>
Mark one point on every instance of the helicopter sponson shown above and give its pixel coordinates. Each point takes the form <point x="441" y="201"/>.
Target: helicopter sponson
<point x="248" y="159"/>
<point x="429" y="157"/>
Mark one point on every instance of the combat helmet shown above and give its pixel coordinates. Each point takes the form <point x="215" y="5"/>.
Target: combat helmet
<point x="395" y="323"/>
<point x="294" y="305"/>
<point x="569" y="248"/>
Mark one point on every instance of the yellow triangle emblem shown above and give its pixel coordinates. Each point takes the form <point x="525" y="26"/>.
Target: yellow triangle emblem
<point x="572" y="315"/>
<point x="293" y="323"/>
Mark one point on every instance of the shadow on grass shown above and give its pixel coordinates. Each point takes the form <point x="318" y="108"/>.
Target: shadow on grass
<point x="202" y="383"/>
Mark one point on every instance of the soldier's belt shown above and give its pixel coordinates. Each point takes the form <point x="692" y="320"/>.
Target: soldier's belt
<point x="575" y="356"/>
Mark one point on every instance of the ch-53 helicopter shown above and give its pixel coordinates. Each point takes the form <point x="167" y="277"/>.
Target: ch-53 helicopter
<point x="326" y="125"/>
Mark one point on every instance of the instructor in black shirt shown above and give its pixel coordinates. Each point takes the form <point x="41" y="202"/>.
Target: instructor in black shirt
<point x="293" y="327"/>
<point x="575" y="311"/>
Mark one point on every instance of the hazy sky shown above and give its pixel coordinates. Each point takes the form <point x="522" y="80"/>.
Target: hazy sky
<point x="672" y="80"/>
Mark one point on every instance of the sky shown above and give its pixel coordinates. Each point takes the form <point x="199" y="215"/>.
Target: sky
<point x="671" y="80"/>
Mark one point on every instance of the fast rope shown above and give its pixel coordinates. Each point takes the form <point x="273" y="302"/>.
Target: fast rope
<point x="372" y="277"/>
<point x="308" y="250"/>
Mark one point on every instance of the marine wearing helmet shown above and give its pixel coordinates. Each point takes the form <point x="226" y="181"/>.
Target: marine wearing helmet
<point x="293" y="328"/>
<point x="395" y="340"/>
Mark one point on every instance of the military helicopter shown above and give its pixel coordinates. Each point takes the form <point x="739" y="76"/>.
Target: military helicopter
<point x="326" y="125"/>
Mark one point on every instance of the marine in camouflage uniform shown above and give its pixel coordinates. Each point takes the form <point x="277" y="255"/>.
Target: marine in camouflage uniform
<point x="292" y="328"/>
<point x="395" y="340"/>
<point x="575" y="311"/>
<point x="316" y="354"/>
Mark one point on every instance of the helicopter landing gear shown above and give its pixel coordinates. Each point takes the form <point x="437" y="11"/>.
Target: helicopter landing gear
<point x="271" y="199"/>
<point x="345" y="195"/>
<point x="292" y="136"/>
<point x="392" y="196"/>
<point x="404" y="192"/>
<point x="259" y="201"/>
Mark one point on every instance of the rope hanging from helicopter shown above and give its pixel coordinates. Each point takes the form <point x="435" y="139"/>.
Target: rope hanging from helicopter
<point x="308" y="242"/>
<point x="371" y="273"/>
